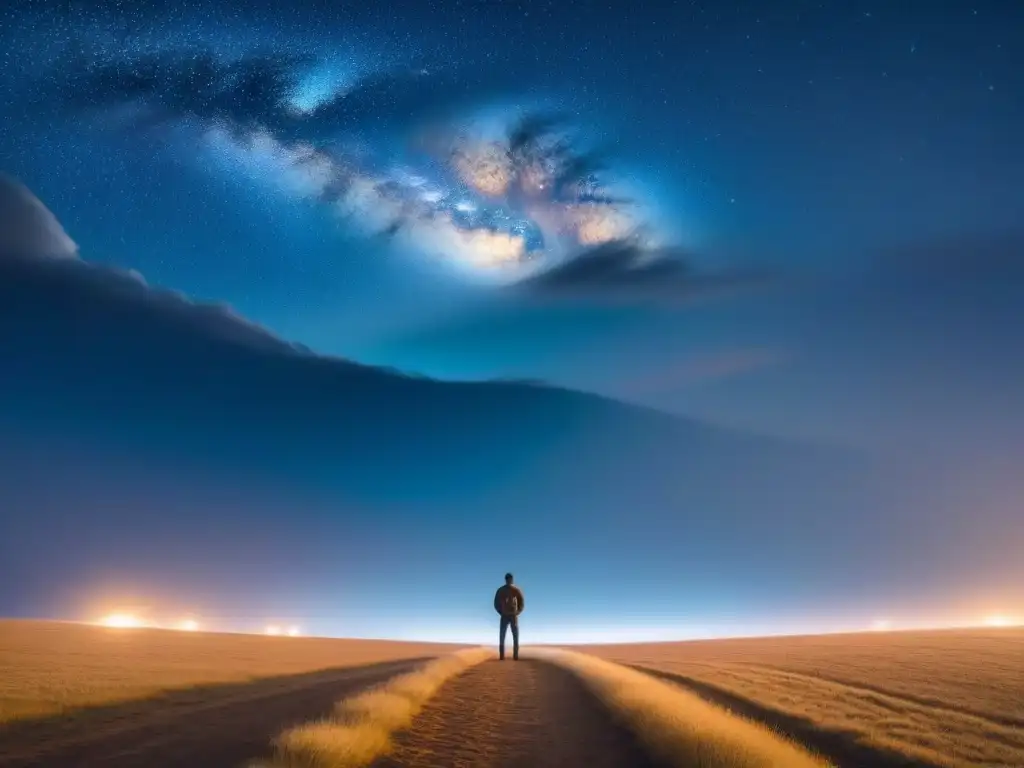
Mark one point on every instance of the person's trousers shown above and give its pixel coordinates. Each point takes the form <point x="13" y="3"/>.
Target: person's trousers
<point x="506" y="622"/>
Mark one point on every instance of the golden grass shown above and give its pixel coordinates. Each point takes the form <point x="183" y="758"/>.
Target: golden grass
<point x="952" y="698"/>
<point x="675" y="726"/>
<point x="362" y="726"/>
<point x="49" y="668"/>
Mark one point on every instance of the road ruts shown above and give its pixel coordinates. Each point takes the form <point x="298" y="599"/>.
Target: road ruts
<point x="514" y="714"/>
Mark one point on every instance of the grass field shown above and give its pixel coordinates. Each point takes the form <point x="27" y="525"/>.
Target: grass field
<point x="48" y="668"/>
<point x="910" y="699"/>
<point x="529" y="713"/>
<point x="947" y="698"/>
<point x="677" y="727"/>
<point x="362" y="727"/>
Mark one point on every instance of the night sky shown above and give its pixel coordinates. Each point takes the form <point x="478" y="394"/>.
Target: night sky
<point x="770" y="261"/>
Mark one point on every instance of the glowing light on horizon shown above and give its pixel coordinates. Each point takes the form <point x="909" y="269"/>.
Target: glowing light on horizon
<point x="272" y="630"/>
<point x="121" y="621"/>
<point x="881" y="625"/>
<point x="293" y="632"/>
<point x="999" y="620"/>
<point x="188" y="625"/>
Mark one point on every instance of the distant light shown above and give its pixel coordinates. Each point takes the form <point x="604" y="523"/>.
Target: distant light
<point x="1000" y="621"/>
<point x="188" y="625"/>
<point x="122" y="620"/>
<point x="272" y="630"/>
<point x="881" y="625"/>
<point x="293" y="632"/>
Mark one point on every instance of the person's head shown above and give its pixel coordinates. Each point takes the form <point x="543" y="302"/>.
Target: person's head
<point x="508" y="578"/>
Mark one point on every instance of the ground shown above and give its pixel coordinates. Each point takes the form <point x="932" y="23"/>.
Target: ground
<point x="514" y="714"/>
<point x="951" y="698"/>
<point x="76" y="695"/>
<point x="48" y="668"/>
<point x="214" y="726"/>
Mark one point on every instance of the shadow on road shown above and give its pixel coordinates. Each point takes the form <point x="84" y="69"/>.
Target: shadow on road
<point x="214" y="725"/>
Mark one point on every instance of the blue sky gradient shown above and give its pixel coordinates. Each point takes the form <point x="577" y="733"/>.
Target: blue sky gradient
<point x="769" y="261"/>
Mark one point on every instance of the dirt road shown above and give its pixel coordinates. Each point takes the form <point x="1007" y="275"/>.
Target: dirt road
<point x="523" y="714"/>
<point x="214" y="727"/>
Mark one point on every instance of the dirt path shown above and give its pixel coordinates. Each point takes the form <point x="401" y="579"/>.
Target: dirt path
<point x="523" y="714"/>
<point x="215" y="727"/>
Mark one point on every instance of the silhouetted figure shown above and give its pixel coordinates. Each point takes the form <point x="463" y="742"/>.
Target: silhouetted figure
<point x="509" y="603"/>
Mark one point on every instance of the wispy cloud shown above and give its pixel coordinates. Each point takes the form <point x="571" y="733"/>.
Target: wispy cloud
<point x="629" y="271"/>
<point x="676" y="375"/>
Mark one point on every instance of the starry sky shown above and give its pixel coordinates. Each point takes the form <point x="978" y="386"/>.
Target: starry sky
<point x="799" y="222"/>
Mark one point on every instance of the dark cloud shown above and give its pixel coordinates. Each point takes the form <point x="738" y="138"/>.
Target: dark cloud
<point x="98" y="362"/>
<point x="82" y="281"/>
<point x="624" y="270"/>
<point x="35" y="246"/>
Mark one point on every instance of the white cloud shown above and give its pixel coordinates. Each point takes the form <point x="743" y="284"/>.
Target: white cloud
<point x="27" y="227"/>
<point x="32" y="238"/>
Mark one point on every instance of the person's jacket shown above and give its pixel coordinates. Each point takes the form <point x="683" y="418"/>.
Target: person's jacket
<point x="508" y="600"/>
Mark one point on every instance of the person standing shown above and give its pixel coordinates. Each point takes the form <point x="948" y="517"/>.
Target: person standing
<point x="509" y="603"/>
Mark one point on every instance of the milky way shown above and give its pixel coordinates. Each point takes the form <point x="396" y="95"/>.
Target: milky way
<point x="504" y="205"/>
<point x="498" y="198"/>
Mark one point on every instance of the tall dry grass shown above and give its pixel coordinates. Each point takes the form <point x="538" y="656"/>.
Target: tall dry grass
<point x="360" y="730"/>
<point x="50" y="668"/>
<point x="952" y="698"/>
<point x="676" y="727"/>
